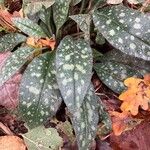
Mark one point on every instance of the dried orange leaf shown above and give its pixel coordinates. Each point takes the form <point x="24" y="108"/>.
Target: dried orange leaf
<point x="123" y="122"/>
<point x="39" y="43"/>
<point x="137" y="95"/>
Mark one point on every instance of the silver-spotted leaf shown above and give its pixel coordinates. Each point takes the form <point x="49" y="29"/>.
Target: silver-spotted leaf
<point x="39" y="94"/>
<point x="126" y="29"/>
<point x="83" y="21"/>
<point x="14" y="63"/>
<point x="41" y="138"/>
<point x="60" y="12"/>
<point x="35" y="6"/>
<point x="137" y="64"/>
<point x="9" y="41"/>
<point x="45" y="14"/>
<point x="113" y="74"/>
<point x="85" y="120"/>
<point x="105" y="120"/>
<point x="100" y="39"/>
<point x="47" y="23"/>
<point x="28" y="27"/>
<point x="74" y="70"/>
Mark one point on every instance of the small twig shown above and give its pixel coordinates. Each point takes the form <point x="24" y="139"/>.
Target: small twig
<point x="101" y="94"/>
<point x="6" y="129"/>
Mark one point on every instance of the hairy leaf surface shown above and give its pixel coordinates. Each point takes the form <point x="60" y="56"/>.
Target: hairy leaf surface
<point x="9" y="41"/>
<point x="14" y="63"/>
<point x="126" y="29"/>
<point x="85" y="120"/>
<point x="74" y="70"/>
<point x="39" y="94"/>
<point x="113" y="74"/>
<point x="28" y="27"/>
<point x="41" y="138"/>
<point x="60" y="12"/>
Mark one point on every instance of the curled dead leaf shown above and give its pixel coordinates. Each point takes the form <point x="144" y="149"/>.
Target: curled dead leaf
<point x="5" y="20"/>
<point x="39" y="43"/>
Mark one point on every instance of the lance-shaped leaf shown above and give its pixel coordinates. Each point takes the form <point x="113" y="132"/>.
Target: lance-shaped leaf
<point x="85" y="120"/>
<point x="74" y="70"/>
<point x="105" y="121"/>
<point x="46" y="15"/>
<point x="39" y="94"/>
<point x="41" y="138"/>
<point x="28" y="27"/>
<point x="126" y="29"/>
<point x="83" y="21"/>
<point x="113" y="74"/>
<point x="14" y="63"/>
<point x="137" y="64"/>
<point x="34" y="6"/>
<point x="60" y="12"/>
<point x="9" y="41"/>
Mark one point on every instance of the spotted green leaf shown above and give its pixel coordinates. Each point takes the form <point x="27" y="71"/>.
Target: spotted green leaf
<point x="9" y="41"/>
<point x="85" y="120"/>
<point x="34" y="6"/>
<point x="100" y="39"/>
<point x="137" y="64"/>
<point x="74" y="70"/>
<point x="83" y="21"/>
<point x="28" y="27"/>
<point x="113" y="74"/>
<point x="60" y="12"/>
<point x="105" y="121"/>
<point x="14" y="63"/>
<point x="46" y="15"/>
<point x="39" y="94"/>
<point x="126" y="29"/>
<point x="41" y="138"/>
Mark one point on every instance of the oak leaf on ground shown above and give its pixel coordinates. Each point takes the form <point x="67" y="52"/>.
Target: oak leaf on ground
<point x="137" y="95"/>
<point x="123" y="122"/>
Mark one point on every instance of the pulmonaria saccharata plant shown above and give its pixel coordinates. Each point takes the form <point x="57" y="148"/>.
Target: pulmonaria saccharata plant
<point x="51" y="76"/>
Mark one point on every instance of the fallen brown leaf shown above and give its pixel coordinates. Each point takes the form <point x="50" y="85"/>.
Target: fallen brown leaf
<point x="123" y="122"/>
<point x="5" y="19"/>
<point x="11" y="143"/>
<point x="9" y="91"/>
